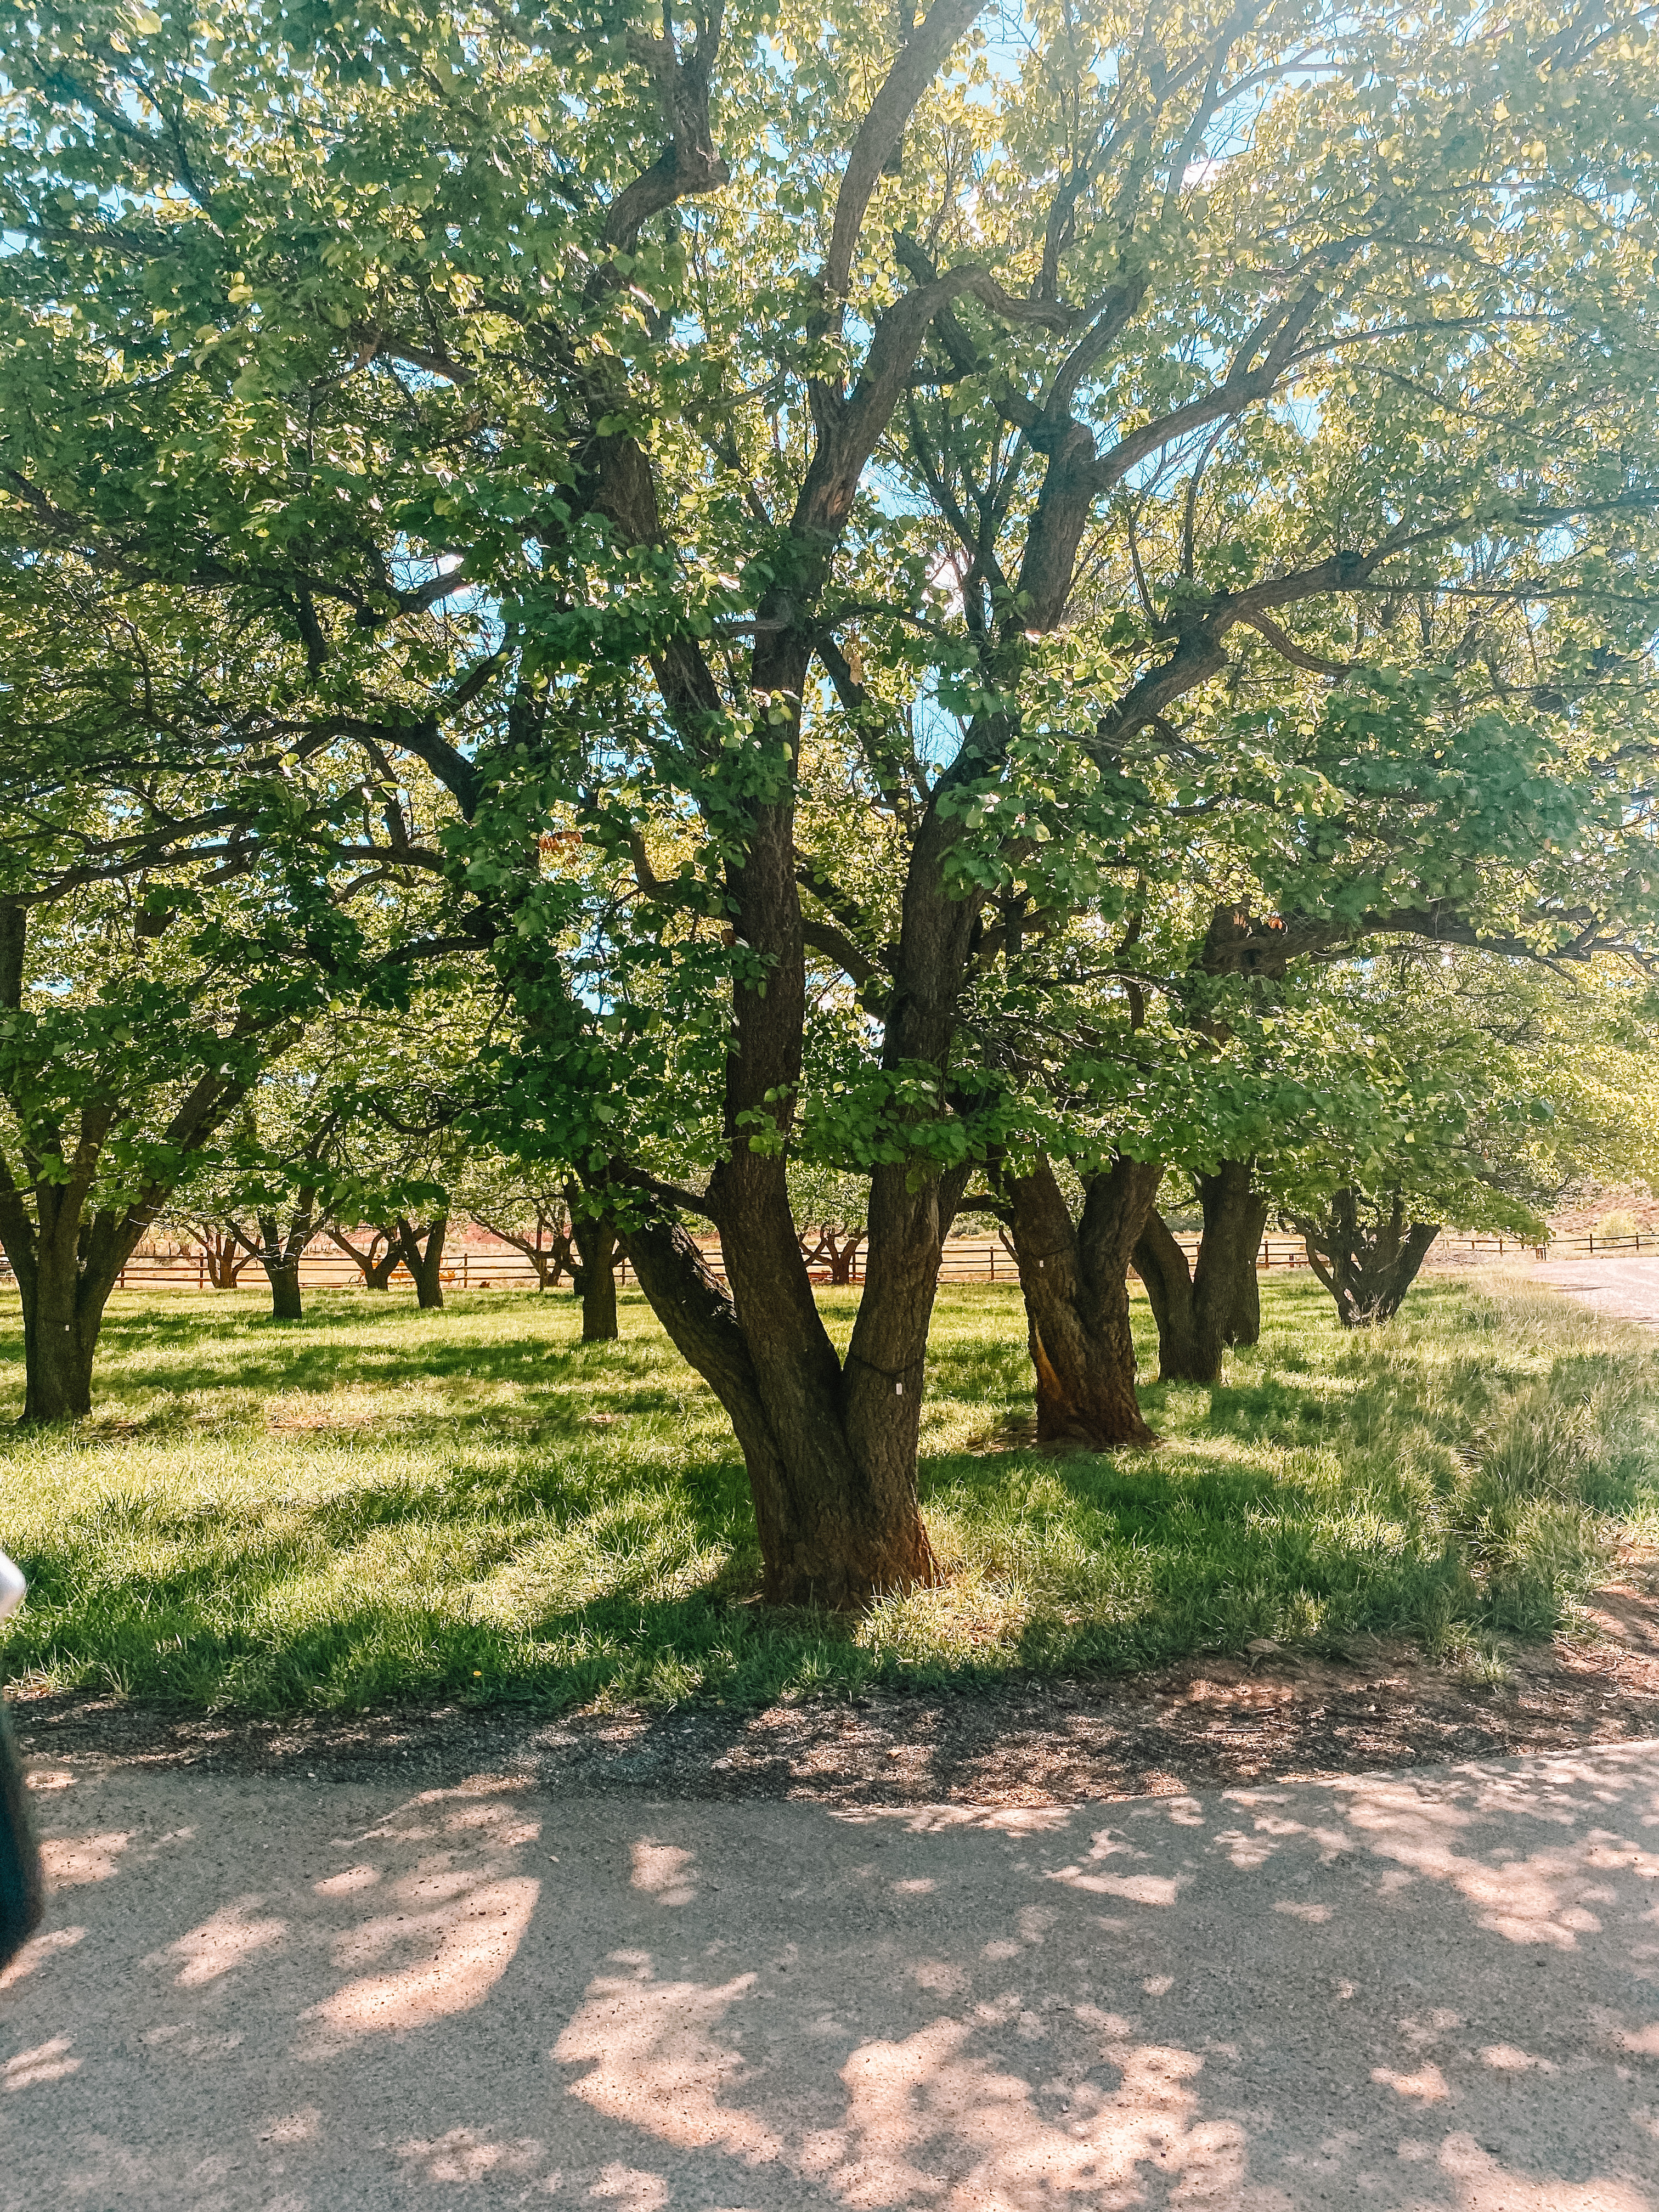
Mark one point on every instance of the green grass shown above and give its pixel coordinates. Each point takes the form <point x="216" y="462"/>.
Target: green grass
<point x="380" y="1504"/>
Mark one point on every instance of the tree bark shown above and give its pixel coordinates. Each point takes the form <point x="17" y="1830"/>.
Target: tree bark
<point x="424" y="1263"/>
<point x="66" y="1268"/>
<point x="376" y="1266"/>
<point x="594" y="1235"/>
<point x="831" y="1459"/>
<point x="1367" y="1266"/>
<point x="1074" y="1278"/>
<point x="280" y="1255"/>
<point x="1201" y="1311"/>
<point x="60" y="1337"/>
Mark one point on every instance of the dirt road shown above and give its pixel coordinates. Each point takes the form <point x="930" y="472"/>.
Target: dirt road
<point x="1400" y="1992"/>
<point x="1627" y="1289"/>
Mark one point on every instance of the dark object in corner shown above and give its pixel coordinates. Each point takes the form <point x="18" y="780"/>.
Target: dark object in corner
<point x="22" y="1896"/>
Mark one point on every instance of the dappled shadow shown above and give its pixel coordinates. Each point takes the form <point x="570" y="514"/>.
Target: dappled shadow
<point x="1423" y="1996"/>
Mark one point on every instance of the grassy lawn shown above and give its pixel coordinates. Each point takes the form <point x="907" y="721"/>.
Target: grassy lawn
<point x="380" y="1504"/>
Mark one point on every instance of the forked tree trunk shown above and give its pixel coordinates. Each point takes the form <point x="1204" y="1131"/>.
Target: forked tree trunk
<point x="830" y="1444"/>
<point x="280" y="1255"/>
<point x="65" y="1266"/>
<point x="1201" y="1310"/>
<point x="595" y="1277"/>
<point x="219" y="1256"/>
<point x="1075" y="1280"/>
<point x="424" y="1261"/>
<point x="551" y="1259"/>
<point x="838" y="1250"/>
<point x="65" y="1270"/>
<point x="378" y="1262"/>
<point x="1367" y="1265"/>
<point x="830" y="1448"/>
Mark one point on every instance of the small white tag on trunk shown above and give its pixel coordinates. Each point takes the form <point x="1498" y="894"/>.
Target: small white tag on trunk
<point x="898" y="1389"/>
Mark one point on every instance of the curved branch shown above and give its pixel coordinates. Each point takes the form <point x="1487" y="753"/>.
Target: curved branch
<point x="688" y="165"/>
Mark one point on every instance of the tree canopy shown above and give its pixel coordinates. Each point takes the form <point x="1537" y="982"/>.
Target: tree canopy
<point x="835" y="503"/>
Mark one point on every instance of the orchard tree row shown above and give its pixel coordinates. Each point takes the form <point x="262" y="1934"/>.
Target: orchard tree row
<point x="1011" y="609"/>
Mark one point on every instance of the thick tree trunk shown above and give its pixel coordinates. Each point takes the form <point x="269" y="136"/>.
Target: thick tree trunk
<point x="286" y="1303"/>
<point x="595" y="1238"/>
<point x="59" y="1341"/>
<point x="1201" y="1311"/>
<point x="279" y="1254"/>
<point x="1366" y="1265"/>
<point x="424" y="1261"/>
<point x="65" y="1270"/>
<point x="830" y="1447"/>
<point x="831" y="1459"/>
<point x="1074" y="1278"/>
<point x="1225" y="1280"/>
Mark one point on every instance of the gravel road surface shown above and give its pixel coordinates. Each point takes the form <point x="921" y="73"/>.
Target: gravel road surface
<point x="1398" y="1992"/>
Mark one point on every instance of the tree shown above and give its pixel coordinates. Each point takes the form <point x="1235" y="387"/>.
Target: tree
<point x="179" y="899"/>
<point x="285" y="1201"/>
<point x="1503" y="1087"/>
<point x="377" y="1261"/>
<point x="792" y="389"/>
<point x="264" y="1192"/>
<point x="521" y="1211"/>
<point x="830" y="1208"/>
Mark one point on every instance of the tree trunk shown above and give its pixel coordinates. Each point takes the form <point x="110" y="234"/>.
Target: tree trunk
<point x="830" y="1454"/>
<point x="1074" y="1278"/>
<point x="1226" y="1281"/>
<point x="281" y="1266"/>
<point x="376" y="1265"/>
<point x="66" y="1266"/>
<point x="219" y="1250"/>
<point x="425" y="1262"/>
<point x="59" y="1341"/>
<point x="65" y="1270"/>
<point x="285" y="1300"/>
<point x="838" y="1250"/>
<point x="279" y="1254"/>
<point x="551" y="1260"/>
<point x="1367" y="1266"/>
<point x="830" y="1446"/>
<point x="595" y="1278"/>
<point x="1201" y="1311"/>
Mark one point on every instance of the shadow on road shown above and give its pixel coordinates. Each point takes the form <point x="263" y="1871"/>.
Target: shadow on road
<point x="1404" y="1993"/>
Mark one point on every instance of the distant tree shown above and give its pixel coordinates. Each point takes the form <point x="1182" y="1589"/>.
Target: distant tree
<point x="516" y="1208"/>
<point x="1510" y="1084"/>
<point x="831" y="1211"/>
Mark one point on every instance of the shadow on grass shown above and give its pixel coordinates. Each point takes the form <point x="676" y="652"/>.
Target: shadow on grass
<point x="483" y="1509"/>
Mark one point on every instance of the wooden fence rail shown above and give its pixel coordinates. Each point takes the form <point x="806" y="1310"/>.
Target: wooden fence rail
<point x="964" y="1259"/>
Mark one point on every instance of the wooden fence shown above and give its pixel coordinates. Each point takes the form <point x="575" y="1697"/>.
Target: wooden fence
<point x="964" y="1259"/>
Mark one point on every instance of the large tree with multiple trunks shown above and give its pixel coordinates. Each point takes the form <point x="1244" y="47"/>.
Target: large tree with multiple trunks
<point x="851" y="456"/>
